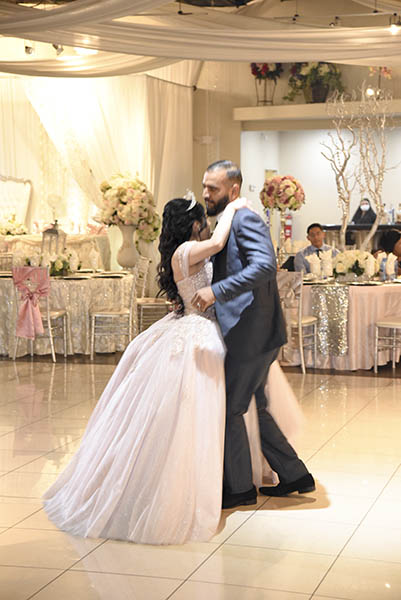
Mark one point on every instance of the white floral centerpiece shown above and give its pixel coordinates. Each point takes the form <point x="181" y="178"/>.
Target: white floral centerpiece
<point x="354" y="265"/>
<point x="59" y="264"/>
<point x="11" y="226"/>
<point x="127" y="201"/>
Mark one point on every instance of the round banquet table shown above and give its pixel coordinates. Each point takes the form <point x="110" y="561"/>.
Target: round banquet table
<point x="78" y="296"/>
<point x="366" y="305"/>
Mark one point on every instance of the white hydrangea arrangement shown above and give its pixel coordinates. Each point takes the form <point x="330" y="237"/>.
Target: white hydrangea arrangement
<point x="127" y="201"/>
<point x="358" y="262"/>
<point x="11" y="226"/>
<point x="59" y="264"/>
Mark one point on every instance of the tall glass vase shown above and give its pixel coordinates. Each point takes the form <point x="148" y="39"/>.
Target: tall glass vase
<point x="127" y="256"/>
<point x="282" y="254"/>
<point x="265" y="89"/>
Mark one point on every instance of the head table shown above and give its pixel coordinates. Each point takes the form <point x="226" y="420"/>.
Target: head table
<point x="347" y="314"/>
<point x="78" y="296"/>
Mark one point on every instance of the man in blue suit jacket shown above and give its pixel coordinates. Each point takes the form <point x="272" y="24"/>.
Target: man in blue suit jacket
<point x="244" y="291"/>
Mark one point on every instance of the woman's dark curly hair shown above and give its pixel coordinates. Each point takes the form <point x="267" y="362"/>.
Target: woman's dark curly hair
<point x="176" y="229"/>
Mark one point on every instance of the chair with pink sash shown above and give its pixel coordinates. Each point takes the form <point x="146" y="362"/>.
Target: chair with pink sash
<point x="34" y="317"/>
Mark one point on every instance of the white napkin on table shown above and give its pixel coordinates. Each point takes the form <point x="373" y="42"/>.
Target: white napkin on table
<point x="390" y="264"/>
<point x="94" y="259"/>
<point x="74" y="260"/>
<point x="370" y="265"/>
<point x="315" y="266"/>
<point x="326" y="263"/>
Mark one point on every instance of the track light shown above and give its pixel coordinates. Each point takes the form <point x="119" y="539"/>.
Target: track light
<point x="58" y="48"/>
<point x="395" y="24"/>
<point x="336" y="22"/>
<point x="29" y="48"/>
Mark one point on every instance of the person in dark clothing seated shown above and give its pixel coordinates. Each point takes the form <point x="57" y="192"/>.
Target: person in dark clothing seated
<point x="364" y="215"/>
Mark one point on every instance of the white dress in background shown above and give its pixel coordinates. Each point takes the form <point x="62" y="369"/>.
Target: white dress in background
<point x="149" y="467"/>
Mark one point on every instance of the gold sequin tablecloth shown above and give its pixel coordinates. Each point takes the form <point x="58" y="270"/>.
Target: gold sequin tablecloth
<point x="78" y="296"/>
<point x="353" y="348"/>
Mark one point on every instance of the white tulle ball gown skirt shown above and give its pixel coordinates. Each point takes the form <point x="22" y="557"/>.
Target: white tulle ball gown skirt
<point x="149" y="467"/>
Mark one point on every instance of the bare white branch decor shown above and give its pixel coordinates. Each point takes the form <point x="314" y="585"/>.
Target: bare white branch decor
<point x="367" y="121"/>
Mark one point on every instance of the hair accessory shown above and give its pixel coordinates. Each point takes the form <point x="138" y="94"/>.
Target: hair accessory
<point x="189" y="195"/>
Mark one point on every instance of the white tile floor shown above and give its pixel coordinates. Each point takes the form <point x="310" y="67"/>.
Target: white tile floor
<point x="343" y="542"/>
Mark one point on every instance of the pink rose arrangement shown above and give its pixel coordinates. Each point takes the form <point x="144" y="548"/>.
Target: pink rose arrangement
<point x="267" y="70"/>
<point x="282" y="193"/>
<point x="385" y="72"/>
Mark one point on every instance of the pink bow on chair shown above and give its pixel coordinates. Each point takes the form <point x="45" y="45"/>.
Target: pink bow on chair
<point x="29" y="322"/>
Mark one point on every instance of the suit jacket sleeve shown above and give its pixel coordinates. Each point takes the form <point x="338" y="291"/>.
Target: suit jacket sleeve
<point x="255" y="245"/>
<point x="299" y="261"/>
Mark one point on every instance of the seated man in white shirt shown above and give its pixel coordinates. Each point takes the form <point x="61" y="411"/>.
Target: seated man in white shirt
<point x="315" y="235"/>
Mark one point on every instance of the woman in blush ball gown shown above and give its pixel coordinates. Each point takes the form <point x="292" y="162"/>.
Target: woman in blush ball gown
<point x="149" y="467"/>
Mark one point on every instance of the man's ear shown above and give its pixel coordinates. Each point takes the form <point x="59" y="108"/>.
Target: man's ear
<point x="235" y="191"/>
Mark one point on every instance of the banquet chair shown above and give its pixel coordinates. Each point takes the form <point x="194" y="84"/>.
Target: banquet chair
<point x="387" y="340"/>
<point x="302" y="329"/>
<point x="6" y="261"/>
<point x="149" y="309"/>
<point x="35" y="318"/>
<point x="114" y="322"/>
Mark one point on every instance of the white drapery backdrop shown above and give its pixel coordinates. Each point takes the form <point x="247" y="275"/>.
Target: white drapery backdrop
<point x="98" y="127"/>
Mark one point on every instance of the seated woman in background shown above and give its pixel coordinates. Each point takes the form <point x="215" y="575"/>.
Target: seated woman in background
<point x="364" y="213"/>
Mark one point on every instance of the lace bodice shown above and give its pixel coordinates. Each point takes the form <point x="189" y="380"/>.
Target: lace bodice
<point x="191" y="283"/>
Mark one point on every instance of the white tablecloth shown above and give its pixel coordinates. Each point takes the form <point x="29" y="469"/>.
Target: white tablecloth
<point x="78" y="297"/>
<point x="367" y="304"/>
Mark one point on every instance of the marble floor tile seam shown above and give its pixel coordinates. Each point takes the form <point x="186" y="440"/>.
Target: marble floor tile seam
<point x="287" y="515"/>
<point x="282" y="590"/>
<point x="283" y="549"/>
<point x="66" y="569"/>
<point x="247" y="587"/>
<point x="60" y="574"/>
<point x="237" y="528"/>
<point x="392" y="478"/>
<point x="147" y="576"/>
<point x="340" y="553"/>
<point x="321" y="596"/>
<point x="15" y="525"/>
<point x="24" y="426"/>
<point x="351" y="420"/>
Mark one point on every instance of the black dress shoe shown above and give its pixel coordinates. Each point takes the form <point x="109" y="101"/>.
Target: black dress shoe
<point x="303" y="485"/>
<point x="244" y="499"/>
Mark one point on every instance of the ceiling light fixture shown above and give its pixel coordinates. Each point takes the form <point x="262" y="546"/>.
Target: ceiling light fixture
<point x="58" y="48"/>
<point x="336" y="22"/>
<point x="395" y="24"/>
<point x="296" y="15"/>
<point x="29" y="47"/>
